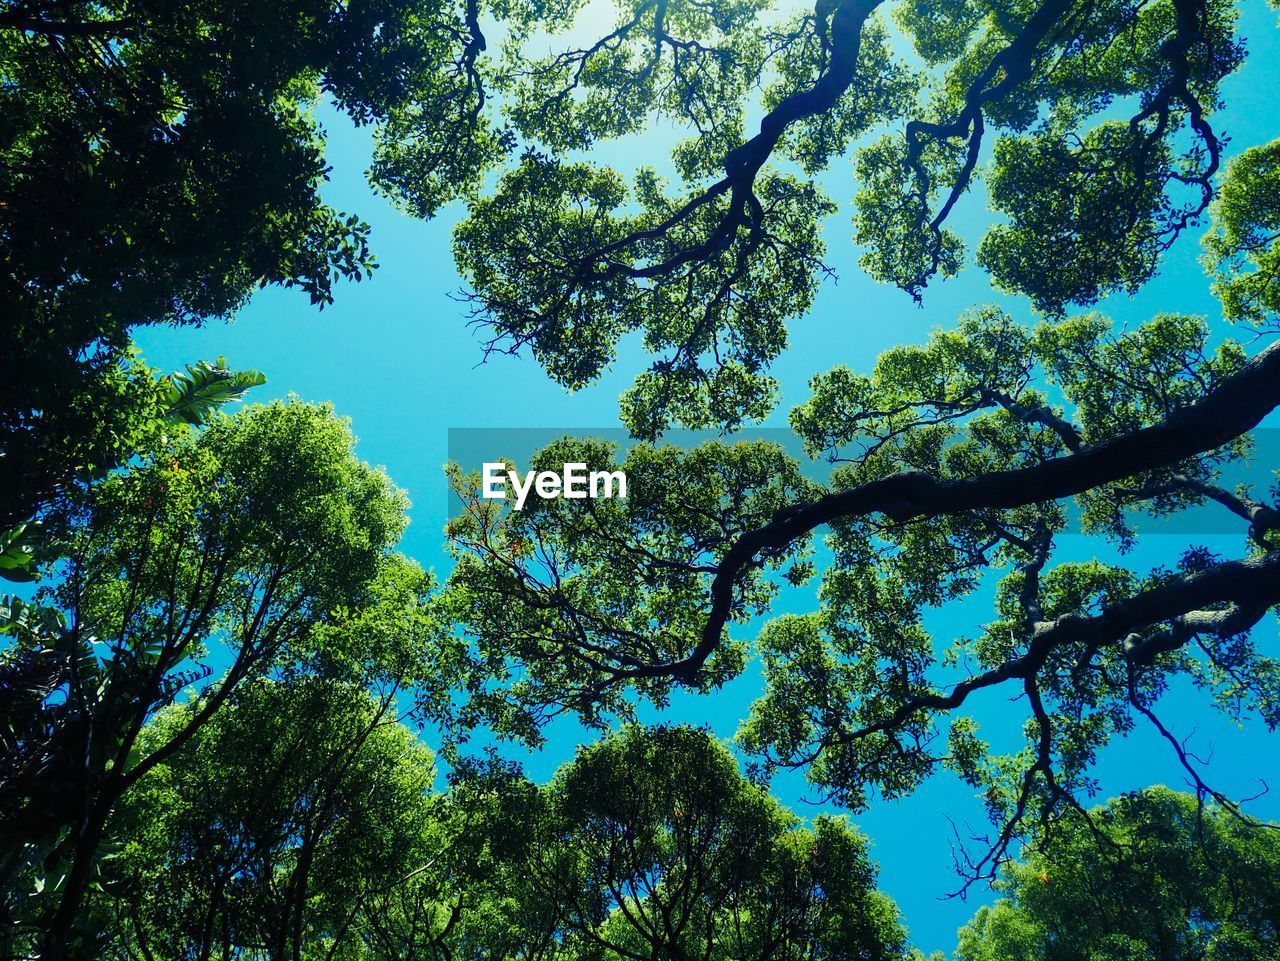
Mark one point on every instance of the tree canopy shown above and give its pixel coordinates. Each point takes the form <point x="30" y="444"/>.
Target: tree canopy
<point x="303" y="821"/>
<point x="1150" y="875"/>
<point x="158" y="163"/>
<point x="291" y="806"/>
<point x="203" y="748"/>
<point x="238" y="545"/>
<point x="956" y="462"/>
<point x="652" y="844"/>
<point x="1088" y="125"/>
<point x="161" y="167"/>
<point x="1090" y="129"/>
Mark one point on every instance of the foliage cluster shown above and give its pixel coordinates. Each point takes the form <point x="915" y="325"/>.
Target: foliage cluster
<point x="201" y="706"/>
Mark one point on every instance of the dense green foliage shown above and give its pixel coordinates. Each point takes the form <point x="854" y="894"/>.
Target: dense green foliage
<point x="580" y="607"/>
<point x="957" y="465"/>
<point x="652" y="844"/>
<point x="1161" y="878"/>
<point x="149" y="406"/>
<point x="1088" y="124"/>
<point x="302" y="822"/>
<point x="239" y="542"/>
<point x="609" y="608"/>
<point x="1241" y="251"/>
<point x="161" y="166"/>
<point x="203" y="752"/>
<point x="158" y="163"/>
<point x="290" y="806"/>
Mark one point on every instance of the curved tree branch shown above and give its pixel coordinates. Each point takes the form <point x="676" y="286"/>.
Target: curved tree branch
<point x="1234" y="407"/>
<point x="844" y="30"/>
<point x="1251" y="586"/>
<point x="1011" y="66"/>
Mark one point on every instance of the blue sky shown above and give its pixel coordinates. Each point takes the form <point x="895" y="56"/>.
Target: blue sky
<point x="395" y="354"/>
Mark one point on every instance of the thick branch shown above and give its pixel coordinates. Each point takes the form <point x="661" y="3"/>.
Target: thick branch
<point x="1261" y="517"/>
<point x="1042" y="414"/>
<point x="1177" y="88"/>
<point x="1234" y="407"/>
<point x="744" y="162"/>
<point x="1008" y="69"/>
<point x="1252" y="586"/>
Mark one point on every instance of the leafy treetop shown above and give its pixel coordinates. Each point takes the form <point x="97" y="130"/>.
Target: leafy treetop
<point x="159" y="163"/>
<point x="1089" y="123"/>
<point x="1153" y="874"/>
<point x="249" y="542"/>
<point x="953" y="471"/>
<point x="302" y="821"/>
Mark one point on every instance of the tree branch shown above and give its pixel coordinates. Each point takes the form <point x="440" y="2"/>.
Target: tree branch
<point x="1231" y="409"/>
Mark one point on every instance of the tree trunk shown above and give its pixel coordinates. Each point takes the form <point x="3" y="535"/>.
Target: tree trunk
<point x="57" y="938"/>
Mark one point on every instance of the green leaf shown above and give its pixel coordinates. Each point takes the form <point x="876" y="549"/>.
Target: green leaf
<point x="18" y="555"/>
<point x="205" y="387"/>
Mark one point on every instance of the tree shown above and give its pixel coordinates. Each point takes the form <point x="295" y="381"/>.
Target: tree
<point x="1241" y="252"/>
<point x="146" y="406"/>
<point x="262" y="837"/>
<point x="300" y="822"/>
<point x="1090" y="125"/>
<point x="1091" y="128"/>
<point x="252" y="540"/>
<point x="957" y="459"/>
<point x="157" y="165"/>
<point x="1150" y="875"/>
<point x="957" y="463"/>
<point x="651" y="844"/>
